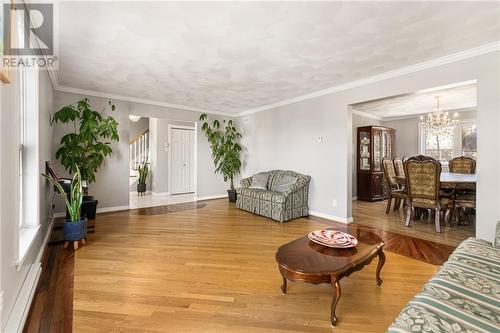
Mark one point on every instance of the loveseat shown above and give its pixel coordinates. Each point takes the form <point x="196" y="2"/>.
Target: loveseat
<point x="463" y="296"/>
<point x="274" y="201"/>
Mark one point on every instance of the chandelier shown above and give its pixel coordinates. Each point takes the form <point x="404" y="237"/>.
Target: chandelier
<point x="438" y="122"/>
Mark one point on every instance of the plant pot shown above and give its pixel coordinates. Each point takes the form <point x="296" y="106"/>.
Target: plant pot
<point x="75" y="231"/>
<point x="231" y="194"/>
<point x="141" y="188"/>
<point x="89" y="207"/>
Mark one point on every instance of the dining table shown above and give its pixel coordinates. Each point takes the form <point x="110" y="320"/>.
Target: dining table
<point x="450" y="180"/>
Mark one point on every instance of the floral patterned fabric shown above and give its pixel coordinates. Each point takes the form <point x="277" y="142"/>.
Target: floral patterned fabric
<point x="389" y="172"/>
<point x="462" y="165"/>
<point x="291" y="204"/>
<point x="463" y="296"/>
<point x="422" y="181"/>
<point x="398" y="165"/>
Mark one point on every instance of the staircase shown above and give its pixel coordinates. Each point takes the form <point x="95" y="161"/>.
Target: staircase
<point x="138" y="153"/>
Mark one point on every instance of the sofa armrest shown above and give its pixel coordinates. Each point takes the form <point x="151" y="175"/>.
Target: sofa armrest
<point x="297" y="186"/>
<point x="246" y="182"/>
<point x="496" y="241"/>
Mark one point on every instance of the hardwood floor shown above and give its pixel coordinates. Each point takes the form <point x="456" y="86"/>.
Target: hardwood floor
<point x="52" y="307"/>
<point x="372" y="214"/>
<point x="213" y="268"/>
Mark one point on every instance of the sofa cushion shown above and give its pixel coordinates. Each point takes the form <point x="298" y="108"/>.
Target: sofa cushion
<point x="259" y="181"/>
<point x="276" y="175"/>
<point x="463" y="296"/>
<point x="284" y="183"/>
<point x="265" y="195"/>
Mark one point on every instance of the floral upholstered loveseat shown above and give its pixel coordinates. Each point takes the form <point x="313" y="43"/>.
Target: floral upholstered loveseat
<point x="280" y="206"/>
<point x="463" y="296"/>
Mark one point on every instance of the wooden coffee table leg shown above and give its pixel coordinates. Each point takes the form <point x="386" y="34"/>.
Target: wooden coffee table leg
<point x="283" y="286"/>
<point x="336" y="297"/>
<point x="381" y="262"/>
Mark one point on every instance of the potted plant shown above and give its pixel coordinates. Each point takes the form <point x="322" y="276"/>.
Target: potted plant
<point x="88" y="144"/>
<point x="143" y="175"/>
<point x="225" y="149"/>
<point x="75" y="227"/>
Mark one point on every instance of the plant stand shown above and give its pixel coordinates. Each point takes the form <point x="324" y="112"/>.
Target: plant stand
<point x="75" y="244"/>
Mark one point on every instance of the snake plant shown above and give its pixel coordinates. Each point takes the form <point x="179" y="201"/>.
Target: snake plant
<point x="74" y="203"/>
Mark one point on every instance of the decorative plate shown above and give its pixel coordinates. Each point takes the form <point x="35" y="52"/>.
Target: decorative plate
<point x="333" y="238"/>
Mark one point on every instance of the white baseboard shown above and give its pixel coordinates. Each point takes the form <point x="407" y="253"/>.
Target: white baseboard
<point x="209" y="197"/>
<point x="100" y="210"/>
<point x="112" y="209"/>
<point x="17" y="318"/>
<point x="354" y="198"/>
<point x="332" y="217"/>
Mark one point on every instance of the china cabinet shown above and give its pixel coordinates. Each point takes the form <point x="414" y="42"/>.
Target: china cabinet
<point x="373" y="144"/>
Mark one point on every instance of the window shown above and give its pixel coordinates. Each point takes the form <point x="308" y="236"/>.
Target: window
<point x="28" y="160"/>
<point x="469" y="140"/>
<point x="440" y="146"/>
<point x="459" y="140"/>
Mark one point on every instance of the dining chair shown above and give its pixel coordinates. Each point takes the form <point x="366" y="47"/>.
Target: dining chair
<point x="463" y="202"/>
<point x="462" y="164"/>
<point x="423" y="188"/>
<point x="398" y="165"/>
<point x="393" y="189"/>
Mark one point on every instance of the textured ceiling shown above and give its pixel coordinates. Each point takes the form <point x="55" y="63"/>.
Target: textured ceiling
<point x="461" y="98"/>
<point x="231" y="57"/>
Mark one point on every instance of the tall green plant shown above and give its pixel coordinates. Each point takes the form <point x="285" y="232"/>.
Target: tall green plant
<point x="143" y="172"/>
<point x="90" y="142"/>
<point x="224" y="145"/>
<point x="74" y="203"/>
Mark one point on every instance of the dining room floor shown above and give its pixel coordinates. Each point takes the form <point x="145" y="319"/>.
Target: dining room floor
<point x="373" y="214"/>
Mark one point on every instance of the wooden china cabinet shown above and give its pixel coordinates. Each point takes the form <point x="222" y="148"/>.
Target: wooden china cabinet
<point x="374" y="143"/>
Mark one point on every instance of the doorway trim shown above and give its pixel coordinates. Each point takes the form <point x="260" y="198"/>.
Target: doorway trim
<point x="169" y="155"/>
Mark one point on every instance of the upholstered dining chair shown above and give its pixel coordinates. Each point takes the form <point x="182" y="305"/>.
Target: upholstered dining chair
<point x="393" y="191"/>
<point x="462" y="164"/>
<point x="423" y="184"/>
<point x="398" y="166"/>
<point x="462" y="202"/>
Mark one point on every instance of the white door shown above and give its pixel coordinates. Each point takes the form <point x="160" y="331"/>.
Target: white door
<point x="182" y="164"/>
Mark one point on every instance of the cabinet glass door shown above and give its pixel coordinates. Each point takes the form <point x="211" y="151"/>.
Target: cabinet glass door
<point x="387" y="145"/>
<point x="377" y="151"/>
<point x="364" y="150"/>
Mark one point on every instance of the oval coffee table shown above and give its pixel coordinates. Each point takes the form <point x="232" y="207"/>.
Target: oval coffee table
<point x="304" y="260"/>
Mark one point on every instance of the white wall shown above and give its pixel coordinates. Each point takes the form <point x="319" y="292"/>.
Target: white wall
<point x="136" y="128"/>
<point x="112" y="184"/>
<point x="358" y="121"/>
<point x="286" y="136"/>
<point x="17" y="282"/>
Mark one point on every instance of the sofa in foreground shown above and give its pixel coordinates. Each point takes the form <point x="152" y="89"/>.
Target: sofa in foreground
<point x="463" y="296"/>
<point x="279" y="198"/>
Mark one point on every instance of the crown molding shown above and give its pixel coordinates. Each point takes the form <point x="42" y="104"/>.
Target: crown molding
<point x="454" y="57"/>
<point x="94" y="93"/>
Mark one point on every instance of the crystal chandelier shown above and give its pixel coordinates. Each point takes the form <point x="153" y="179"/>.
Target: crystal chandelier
<point x="438" y="122"/>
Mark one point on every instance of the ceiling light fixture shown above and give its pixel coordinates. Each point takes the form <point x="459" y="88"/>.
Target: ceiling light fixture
<point x="134" y="118"/>
<point x="439" y="123"/>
